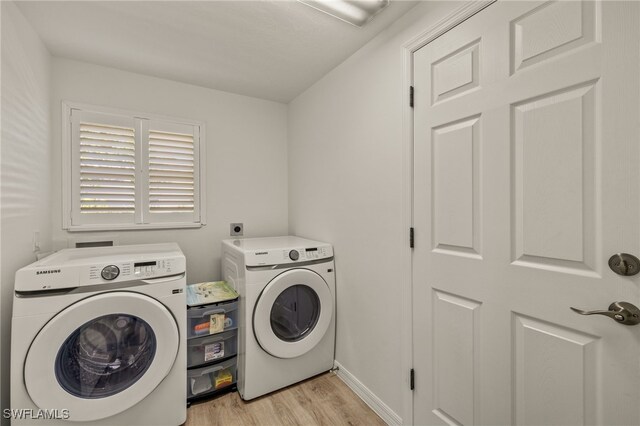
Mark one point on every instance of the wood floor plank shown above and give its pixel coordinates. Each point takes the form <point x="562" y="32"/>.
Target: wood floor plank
<point x="322" y="400"/>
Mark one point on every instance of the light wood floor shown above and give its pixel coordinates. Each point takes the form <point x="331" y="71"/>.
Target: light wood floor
<point x="322" y="400"/>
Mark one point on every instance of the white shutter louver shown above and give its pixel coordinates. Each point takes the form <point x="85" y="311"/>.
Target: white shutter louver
<point x="107" y="168"/>
<point x="171" y="172"/>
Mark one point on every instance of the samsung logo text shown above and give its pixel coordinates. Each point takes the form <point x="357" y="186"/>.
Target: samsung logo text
<point x="48" y="271"/>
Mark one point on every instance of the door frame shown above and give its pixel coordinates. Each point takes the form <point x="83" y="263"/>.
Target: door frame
<point x="449" y="22"/>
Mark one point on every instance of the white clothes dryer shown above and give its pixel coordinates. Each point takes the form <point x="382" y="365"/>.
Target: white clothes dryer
<point x="98" y="337"/>
<point x="287" y="310"/>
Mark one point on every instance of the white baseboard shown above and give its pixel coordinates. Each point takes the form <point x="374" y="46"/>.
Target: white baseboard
<point x="375" y="403"/>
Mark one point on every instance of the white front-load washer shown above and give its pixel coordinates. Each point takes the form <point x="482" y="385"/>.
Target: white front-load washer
<point x="98" y="337"/>
<point x="287" y="310"/>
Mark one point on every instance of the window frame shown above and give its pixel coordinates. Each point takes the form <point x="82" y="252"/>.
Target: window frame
<point x="141" y="121"/>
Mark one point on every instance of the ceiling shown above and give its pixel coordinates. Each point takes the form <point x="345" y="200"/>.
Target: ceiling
<point x="266" y="49"/>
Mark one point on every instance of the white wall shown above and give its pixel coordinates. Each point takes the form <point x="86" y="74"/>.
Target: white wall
<point x="348" y="185"/>
<point x="246" y="147"/>
<point x="25" y="161"/>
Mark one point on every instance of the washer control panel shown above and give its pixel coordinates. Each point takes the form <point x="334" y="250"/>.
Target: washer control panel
<point x="77" y="267"/>
<point x="150" y="269"/>
<point x="110" y="272"/>
<point x="133" y="270"/>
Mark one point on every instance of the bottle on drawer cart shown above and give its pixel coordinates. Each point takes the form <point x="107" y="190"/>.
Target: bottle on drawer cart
<point x="212" y="343"/>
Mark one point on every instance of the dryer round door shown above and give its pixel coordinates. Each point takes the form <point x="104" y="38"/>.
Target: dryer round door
<point x="101" y="355"/>
<point x="293" y="313"/>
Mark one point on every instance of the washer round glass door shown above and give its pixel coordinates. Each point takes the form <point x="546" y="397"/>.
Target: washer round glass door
<point x="293" y="313"/>
<point x="101" y="355"/>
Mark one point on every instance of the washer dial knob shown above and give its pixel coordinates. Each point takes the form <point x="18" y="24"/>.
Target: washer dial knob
<point x="110" y="272"/>
<point x="294" y="255"/>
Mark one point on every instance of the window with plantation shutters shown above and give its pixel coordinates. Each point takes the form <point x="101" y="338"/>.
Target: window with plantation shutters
<point x="131" y="171"/>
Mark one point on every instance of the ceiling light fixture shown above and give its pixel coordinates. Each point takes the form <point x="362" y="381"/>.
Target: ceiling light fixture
<point x="355" y="12"/>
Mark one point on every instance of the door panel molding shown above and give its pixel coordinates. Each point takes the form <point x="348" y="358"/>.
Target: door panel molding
<point x="455" y="165"/>
<point x="552" y="384"/>
<point x="455" y="319"/>
<point x="535" y="38"/>
<point x="560" y="128"/>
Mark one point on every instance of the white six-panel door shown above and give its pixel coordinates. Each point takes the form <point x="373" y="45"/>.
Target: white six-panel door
<point x="526" y="181"/>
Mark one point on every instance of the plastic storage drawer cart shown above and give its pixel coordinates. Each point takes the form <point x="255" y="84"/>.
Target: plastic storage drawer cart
<point x="204" y="381"/>
<point x="211" y="319"/>
<point x="206" y="349"/>
<point x="212" y="348"/>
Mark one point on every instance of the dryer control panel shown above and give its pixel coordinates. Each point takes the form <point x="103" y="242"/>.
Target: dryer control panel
<point x="305" y="254"/>
<point x="288" y="255"/>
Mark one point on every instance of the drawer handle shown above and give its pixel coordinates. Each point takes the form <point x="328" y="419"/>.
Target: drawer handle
<point x="214" y="311"/>
<point x="214" y="369"/>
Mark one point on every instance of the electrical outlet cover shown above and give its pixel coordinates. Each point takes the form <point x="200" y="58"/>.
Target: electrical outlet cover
<point x="236" y="229"/>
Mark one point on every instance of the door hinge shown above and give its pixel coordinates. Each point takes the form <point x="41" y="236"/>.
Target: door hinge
<point x="411" y="96"/>
<point x="412" y="379"/>
<point x="411" y="239"/>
